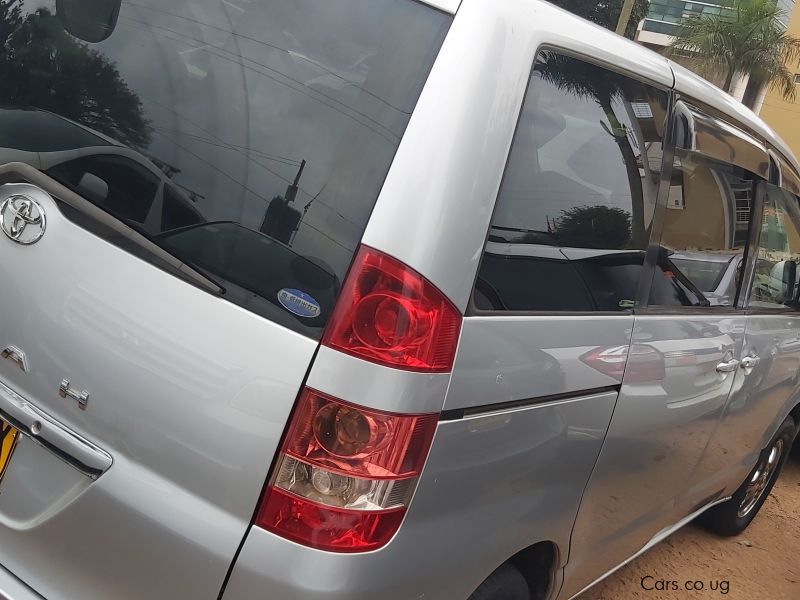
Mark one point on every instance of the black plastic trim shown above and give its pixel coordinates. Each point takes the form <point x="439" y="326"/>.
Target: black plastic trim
<point x="470" y="411"/>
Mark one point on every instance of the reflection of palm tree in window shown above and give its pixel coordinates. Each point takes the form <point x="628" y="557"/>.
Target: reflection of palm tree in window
<point x="588" y="81"/>
<point x="41" y="65"/>
<point x="598" y="227"/>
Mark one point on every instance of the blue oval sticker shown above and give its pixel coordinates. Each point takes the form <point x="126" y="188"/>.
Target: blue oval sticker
<point x="299" y="303"/>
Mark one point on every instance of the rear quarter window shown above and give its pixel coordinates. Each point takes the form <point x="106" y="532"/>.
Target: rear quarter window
<point x="573" y="216"/>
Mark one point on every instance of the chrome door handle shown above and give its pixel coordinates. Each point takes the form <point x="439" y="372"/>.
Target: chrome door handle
<point x="750" y="362"/>
<point x="728" y="366"/>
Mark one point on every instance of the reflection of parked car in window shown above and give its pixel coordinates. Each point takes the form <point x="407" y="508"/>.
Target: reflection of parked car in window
<point x="713" y="273"/>
<point x="535" y="276"/>
<point x="117" y="178"/>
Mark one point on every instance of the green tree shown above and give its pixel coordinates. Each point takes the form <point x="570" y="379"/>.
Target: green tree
<point x="599" y="226"/>
<point x="606" y="12"/>
<point x="43" y="66"/>
<point x="746" y="38"/>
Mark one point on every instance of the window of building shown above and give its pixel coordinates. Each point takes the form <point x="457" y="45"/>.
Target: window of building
<point x="574" y="212"/>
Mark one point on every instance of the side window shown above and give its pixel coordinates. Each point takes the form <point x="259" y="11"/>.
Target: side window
<point x="574" y="212"/>
<point x="775" y="281"/>
<point x="122" y="186"/>
<point x="706" y="227"/>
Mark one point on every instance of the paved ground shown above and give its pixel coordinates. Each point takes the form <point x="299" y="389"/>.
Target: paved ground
<point x="761" y="564"/>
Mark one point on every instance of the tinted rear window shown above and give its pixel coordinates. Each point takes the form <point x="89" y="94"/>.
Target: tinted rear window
<point x="575" y="209"/>
<point x="270" y="125"/>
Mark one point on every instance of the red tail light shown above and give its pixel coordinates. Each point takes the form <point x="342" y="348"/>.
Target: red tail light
<point x="639" y="363"/>
<point x="389" y="314"/>
<point x="345" y="474"/>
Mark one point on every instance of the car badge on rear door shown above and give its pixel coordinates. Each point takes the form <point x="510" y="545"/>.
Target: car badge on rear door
<point x="22" y="219"/>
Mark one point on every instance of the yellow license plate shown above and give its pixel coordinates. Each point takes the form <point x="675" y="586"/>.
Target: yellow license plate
<point x="8" y="435"/>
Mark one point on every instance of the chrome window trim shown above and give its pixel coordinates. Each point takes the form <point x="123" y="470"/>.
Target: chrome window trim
<point x="608" y="65"/>
<point x="693" y="86"/>
<point x="702" y="129"/>
<point x="789" y="179"/>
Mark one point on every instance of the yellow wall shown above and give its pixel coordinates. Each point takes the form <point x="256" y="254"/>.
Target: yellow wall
<point x="783" y="116"/>
<point x="701" y="224"/>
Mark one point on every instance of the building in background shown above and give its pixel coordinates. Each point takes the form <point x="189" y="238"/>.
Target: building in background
<point x="665" y="15"/>
<point x="783" y="115"/>
<point x="662" y="21"/>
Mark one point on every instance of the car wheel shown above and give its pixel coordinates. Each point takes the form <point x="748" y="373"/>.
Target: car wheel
<point x="505" y="583"/>
<point x="733" y="517"/>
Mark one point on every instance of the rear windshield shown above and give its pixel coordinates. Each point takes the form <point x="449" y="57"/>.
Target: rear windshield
<point x="250" y="139"/>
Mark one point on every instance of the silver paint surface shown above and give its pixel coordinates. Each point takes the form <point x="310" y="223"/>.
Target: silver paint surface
<point x="190" y="395"/>
<point x="492" y="485"/>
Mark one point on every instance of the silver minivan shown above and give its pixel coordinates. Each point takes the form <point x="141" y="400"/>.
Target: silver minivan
<point x="367" y="299"/>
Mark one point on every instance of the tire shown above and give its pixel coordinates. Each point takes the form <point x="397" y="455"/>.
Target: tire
<point x="505" y="583"/>
<point x="732" y="517"/>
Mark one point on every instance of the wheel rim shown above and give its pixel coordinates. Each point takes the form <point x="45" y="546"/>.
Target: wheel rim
<point x="759" y="480"/>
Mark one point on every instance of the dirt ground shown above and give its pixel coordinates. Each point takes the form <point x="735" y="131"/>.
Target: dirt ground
<point x="763" y="563"/>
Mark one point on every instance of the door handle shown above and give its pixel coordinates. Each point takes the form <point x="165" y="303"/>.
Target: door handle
<point x="728" y="366"/>
<point x="750" y="362"/>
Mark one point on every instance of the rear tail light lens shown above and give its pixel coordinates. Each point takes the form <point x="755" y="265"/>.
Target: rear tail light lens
<point x="389" y="314"/>
<point x="609" y="361"/>
<point x="639" y="363"/>
<point x="645" y="365"/>
<point x="345" y="474"/>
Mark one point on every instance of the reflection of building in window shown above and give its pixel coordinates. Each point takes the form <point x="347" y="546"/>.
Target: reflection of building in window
<point x="710" y="207"/>
<point x="281" y="220"/>
<point x="742" y="191"/>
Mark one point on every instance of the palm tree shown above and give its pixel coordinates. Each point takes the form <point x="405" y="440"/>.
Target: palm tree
<point x="746" y="38"/>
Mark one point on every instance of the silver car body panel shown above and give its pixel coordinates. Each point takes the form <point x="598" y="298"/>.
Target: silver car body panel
<point x="451" y="162"/>
<point x="656" y="440"/>
<point x="452" y="157"/>
<point x="449" y="6"/>
<point x="491" y="484"/>
<point x="512" y="358"/>
<point x="525" y="419"/>
<point x="179" y="463"/>
<point x="376" y="386"/>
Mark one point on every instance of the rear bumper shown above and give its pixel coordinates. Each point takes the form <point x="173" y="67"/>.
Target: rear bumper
<point x="12" y="588"/>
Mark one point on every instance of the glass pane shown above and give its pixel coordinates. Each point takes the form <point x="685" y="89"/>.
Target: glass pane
<point x="775" y="281"/>
<point x="278" y="117"/>
<point x="122" y="186"/>
<point x="706" y="226"/>
<point x="576" y="205"/>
